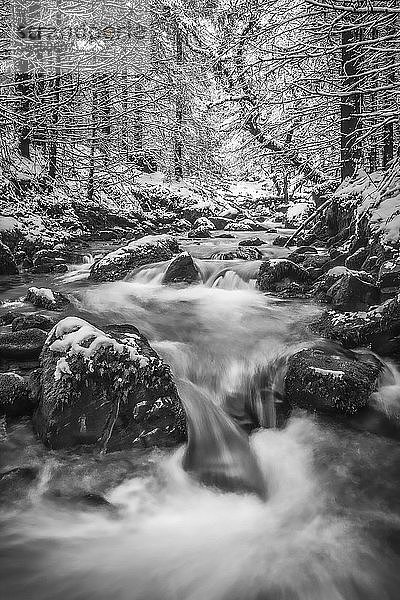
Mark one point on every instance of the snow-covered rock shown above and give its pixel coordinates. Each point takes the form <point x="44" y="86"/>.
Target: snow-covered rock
<point x="46" y="298"/>
<point x="109" y="389"/>
<point x="331" y="383"/>
<point x="146" y="250"/>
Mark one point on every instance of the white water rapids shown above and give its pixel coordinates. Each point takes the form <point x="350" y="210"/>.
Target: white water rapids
<point x="328" y="530"/>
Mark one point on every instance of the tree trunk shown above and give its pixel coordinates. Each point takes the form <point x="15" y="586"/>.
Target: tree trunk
<point x="350" y="109"/>
<point x="178" y="140"/>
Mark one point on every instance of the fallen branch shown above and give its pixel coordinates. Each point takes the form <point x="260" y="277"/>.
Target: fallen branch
<point x="307" y="221"/>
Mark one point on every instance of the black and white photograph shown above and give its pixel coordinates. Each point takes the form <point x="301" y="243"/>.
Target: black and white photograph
<point x="200" y="300"/>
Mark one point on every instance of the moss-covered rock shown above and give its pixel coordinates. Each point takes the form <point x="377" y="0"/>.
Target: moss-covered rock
<point x="14" y="396"/>
<point x="22" y="345"/>
<point x="107" y="389"/>
<point x="34" y="321"/>
<point x="239" y="254"/>
<point x="331" y="383"/>
<point x="277" y="274"/>
<point x="8" y="265"/>
<point x="144" y="251"/>
<point x="347" y="290"/>
<point x="181" y="269"/>
<point x="46" y="298"/>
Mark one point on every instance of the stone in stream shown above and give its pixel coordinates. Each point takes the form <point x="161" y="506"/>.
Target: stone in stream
<point x="280" y="240"/>
<point x="46" y="298"/>
<point x="32" y="321"/>
<point x="14" y="396"/>
<point x="331" y="383"/>
<point x="347" y="290"/>
<point x="16" y="483"/>
<point x="204" y="222"/>
<point x="22" y="345"/>
<point x="8" y="265"/>
<point x="239" y="254"/>
<point x="143" y="251"/>
<point x="239" y="226"/>
<point x="200" y="232"/>
<point x="277" y="274"/>
<point x="8" y="317"/>
<point x="255" y="241"/>
<point x="110" y="390"/>
<point x="378" y="328"/>
<point x="219" y="222"/>
<point x="181" y="269"/>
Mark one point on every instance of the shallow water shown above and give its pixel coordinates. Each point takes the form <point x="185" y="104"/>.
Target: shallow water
<point x="328" y="530"/>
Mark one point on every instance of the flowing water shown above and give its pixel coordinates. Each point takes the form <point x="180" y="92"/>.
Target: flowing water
<point x="309" y="511"/>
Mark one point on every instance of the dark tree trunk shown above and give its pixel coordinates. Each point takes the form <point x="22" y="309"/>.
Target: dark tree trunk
<point x="178" y="141"/>
<point x="351" y="104"/>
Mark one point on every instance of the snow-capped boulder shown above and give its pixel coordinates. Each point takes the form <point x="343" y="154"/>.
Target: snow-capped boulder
<point x="239" y="254"/>
<point x="49" y="261"/>
<point x="255" y="241"/>
<point x="22" y="345"/>
<point x="8" y="265"/>
<point x="10" y="231"/>
<point x="14" y="396"/>
<point x="200" y="232"/>
<point x="276" y="274"/>
<point x="146" y="250"/>
<point x="238" y="226"/>
<point x="389" y="277"/>
<point x="181" y="269"/>
<point x="204" y="222"/>
<point x="46" y="298"/>
<point x="108" y="389"/>
<point x="331" y="383"/>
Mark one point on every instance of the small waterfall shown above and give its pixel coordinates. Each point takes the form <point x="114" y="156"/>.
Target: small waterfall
<point x="218" y="453"/>
<point x="88" y="259"/>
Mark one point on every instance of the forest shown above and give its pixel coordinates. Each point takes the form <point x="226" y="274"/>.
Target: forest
<point x="200" y="299"/>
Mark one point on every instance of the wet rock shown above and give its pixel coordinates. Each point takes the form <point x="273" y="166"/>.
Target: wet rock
<point x="46" y="298"/>
<point x="356" y="260"/>
<point x="240" y="254"/>
<point x="305" y="250"/>
<point x="220" y="222"/>
<point x="200" y="232"/>
<point x="347" y="290"/>
<point x="378" y="328"/>
<point x="370" y="264"/>
<point x="228" y="236"/>
<point x="251" y="242"/>
<point x="50" y="261"/>
<point x="277" y="274"/>
<point x="10" y="231"/>
<point x="143" y="251"/>
<point x="22" y="345"/>
<point x="389" y="278"/>
<point x="16" y="483"/>
<point x="239" y="226"/>
<point x="315" y="261"/>
<point x="8" y="317"/>
<point x="204" y="222"/>
<point x="181" y="269"/>
<point x="8" y="265"/>
<point x="107" y="389"/>
<point x="331" y="383"/>
<point x="280" y="240"/>
<point x="32" y="322"/>
<point x="14" y="396"/>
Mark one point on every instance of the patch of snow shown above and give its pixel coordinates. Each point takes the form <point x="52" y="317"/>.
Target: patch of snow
<point x="62" y="368"/>
<point x="328" y="372"/>
<point x="43" y="293"/>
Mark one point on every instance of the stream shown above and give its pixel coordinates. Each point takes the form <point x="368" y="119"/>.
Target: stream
<point x="134" y="525"/>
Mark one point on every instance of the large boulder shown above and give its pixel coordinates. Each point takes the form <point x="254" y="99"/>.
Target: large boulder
<point x="144" y="251"/>
<point x="378" y="328"/>
<point x="181" y="269"/>
<point x="14" y="396"/>
<point x="46" y="298"/>
<point x="10" y="231"/>
<point x="110" y="390"/>
<point x="8" y="265"/>
<point x="255" y="241"/>
<point x="331" y="383"/>
<point x="219" y="222"/>
<point x="22" y="345"/>
<point x="34" y="321"/>
<point x="347" y="290"/>
<point x="276" y="274"/>
<point x="199" y="232"/>
<point x="389" y="277"/>
<point x="239" y="254"/>
<point x="49" y="261"/>
<point x="204" y="222"/>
